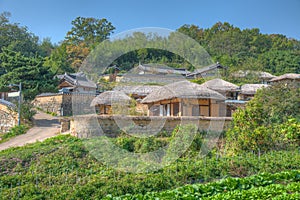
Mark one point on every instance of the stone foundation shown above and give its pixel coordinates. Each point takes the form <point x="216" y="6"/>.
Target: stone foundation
<point x="92" y="125"/>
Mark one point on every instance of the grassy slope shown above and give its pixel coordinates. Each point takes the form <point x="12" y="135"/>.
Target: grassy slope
<point x="61" y="167"/>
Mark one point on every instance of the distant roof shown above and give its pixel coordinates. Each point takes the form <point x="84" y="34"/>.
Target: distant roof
<point x="184" y="90"/>
<point x="230" y="101"/>
<point x="218" y="84"/>
<point x="262" y="75"/>
<point x="110" y="97"/>
<point x="140" y="90"/>
<point x="160" y="79"/>
<point x="7" y="103"/>
<point x="207" y="68"/>
<point x="47" y="94"/>
<point x="251" y="88"/>
<point x="77" y="79"/>
<point x="161" y="69"/>
<point x="289" y="76"/>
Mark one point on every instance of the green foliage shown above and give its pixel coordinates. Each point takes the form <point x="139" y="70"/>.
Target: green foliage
<point x="17" y="38"/>
<point x="15" y="131"/>
<point x="35" y="77"/>
<point x="90" y="31"/>
<point x="261" y="186"/>
<point x="61" y="167"/>
<point x="247" y="49"/>
<point x="270" y="121"/>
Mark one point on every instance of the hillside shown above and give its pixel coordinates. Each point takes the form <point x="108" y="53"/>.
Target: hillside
<point x="61" y="167"/>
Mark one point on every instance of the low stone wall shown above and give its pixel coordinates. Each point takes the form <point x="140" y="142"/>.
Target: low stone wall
<point x="92" y="125"/>
<point x="8" y="118"/>
<point x="62" y="103"/>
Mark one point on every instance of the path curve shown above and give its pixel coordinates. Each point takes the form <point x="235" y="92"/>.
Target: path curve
<point x="45" y="126"/>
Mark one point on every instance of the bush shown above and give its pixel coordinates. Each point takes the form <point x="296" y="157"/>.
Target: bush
<point x="16" y="130"/>
<point x="269" y="121"/>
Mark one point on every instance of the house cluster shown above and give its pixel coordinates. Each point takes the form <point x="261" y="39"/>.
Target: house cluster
<point x="156" y="90"/>
<point x="175" y="96"/>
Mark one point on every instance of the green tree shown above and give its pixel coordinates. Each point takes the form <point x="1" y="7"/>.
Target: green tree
<point x="89" y="31"/>
<point x="16" y="37"/>
<point x="35" y="77"/>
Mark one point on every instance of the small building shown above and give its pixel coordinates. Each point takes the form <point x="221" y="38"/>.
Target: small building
<point x="184" y="98"/>
<point x="214" y="70"/>
<point x="111" y="102"/>
<point x="249" y="90"/>
<point x="227" y="89"/>
<point x="159" y="69"/>
<point x="76" y="83"/>
<point x="138" y="92"/>
<point x="286" y="78"/>
<point x="261" y="77"/>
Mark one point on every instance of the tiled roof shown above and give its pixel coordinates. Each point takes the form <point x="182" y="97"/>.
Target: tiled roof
<point x="78" y="79"/>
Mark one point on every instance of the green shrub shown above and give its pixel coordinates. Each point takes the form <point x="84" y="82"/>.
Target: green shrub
<point x="16" y="130"/>
<point x="270" y="121"/>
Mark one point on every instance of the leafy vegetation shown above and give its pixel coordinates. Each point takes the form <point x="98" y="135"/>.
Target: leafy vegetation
<point x="261" y="186"/>
<point x="270" y="121"/>
<point x="61" y="167"/>
<point x="15" y="131"/>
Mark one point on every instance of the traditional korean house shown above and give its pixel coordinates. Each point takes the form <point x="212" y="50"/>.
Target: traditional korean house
<point x="111" y="102"/>
<point x="257" y="76"/>
<point x="76" y="83"/>
<point x="214" y="70"/>
<point x="227" y="89"/>
<point x="138" y="92"/>
<point x="249" y="90"/>
<point x="159" y="69"/>
<point x="286" y="78"/>
<point x="184" y="98"/>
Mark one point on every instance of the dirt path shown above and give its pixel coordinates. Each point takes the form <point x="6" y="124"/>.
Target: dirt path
<point x="45" y="126"/>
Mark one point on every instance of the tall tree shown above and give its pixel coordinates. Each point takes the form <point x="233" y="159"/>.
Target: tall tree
<point x="16" y="37"/>
<point x="89" y="31"/>
<point x="35" y="77"/>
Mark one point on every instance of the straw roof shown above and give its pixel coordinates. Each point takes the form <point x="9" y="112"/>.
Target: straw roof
<point x="251" y="88"/>
<point x="140" y="90"/>
<point x="110" y="97"/>
<point x="261" y="75"/>
<point x="184" y="90"/>
<point x="286" y="76"/>
<point x="218" y="84"/>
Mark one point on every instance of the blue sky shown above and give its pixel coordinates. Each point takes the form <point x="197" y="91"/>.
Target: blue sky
<point x="52" y="18"/>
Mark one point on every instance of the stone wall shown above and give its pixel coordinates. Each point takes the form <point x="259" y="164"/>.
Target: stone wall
<point x="62" y="103"/>
<point x="89" y="125"/>
<point x="8" y="118"/>
<point x="50" y="103"/>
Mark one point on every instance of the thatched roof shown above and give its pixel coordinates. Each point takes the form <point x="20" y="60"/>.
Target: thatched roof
<point x="110" y="97"/>
<point x="261" y="75"/>
<point x="182" y="89"/>
<point x="140" y="90"/>
<point x="251" y="88"/>
<point x="218" y="84"/>
<point x="286" y="76"/>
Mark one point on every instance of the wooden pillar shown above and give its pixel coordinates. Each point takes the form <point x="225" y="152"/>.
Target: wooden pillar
<point x="209" y="107"/>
